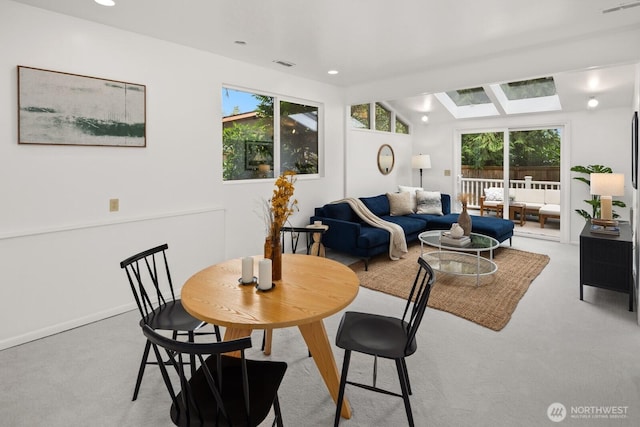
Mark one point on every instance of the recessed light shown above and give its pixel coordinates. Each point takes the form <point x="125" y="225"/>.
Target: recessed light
<point x="424" y="118"/>
<point x="592" y="103"/>
<point x="106" y="2"/>
<point x="332" y="72"/>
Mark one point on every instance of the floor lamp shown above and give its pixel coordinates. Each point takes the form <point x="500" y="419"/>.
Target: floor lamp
<point x="421" y="161"/>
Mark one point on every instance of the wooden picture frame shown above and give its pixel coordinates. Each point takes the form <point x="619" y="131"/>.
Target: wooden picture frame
<point x="634" y="150"/>
<point x="57" y="108"/>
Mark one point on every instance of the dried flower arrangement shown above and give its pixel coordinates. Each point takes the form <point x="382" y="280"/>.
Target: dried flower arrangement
<point x="278" y="209"/>
<point x="464" y="198"/>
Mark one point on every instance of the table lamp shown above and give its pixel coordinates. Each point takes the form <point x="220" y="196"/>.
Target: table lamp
<point x="421" y="161"/>
<point x="607" y="185"/>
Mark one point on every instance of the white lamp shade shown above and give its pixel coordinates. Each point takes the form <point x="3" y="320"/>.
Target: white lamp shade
<point x="421" y="161"/>
<point x="607" y="184"/>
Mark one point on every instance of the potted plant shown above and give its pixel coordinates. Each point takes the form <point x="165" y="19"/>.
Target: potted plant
<point x="595" y="200"/>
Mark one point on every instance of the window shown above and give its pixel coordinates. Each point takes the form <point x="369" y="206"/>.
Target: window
<point x="383" y="118"/>
<point x="401" y="127"/>
<point x="298" y="138"/>
<point x="251" y="147"/>
<point x="360" y="116"/>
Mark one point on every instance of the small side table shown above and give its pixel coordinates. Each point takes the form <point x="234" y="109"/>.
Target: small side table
<point x="514" y="208"/>
<point x="317" y="248"/>
<point x="314" y="238"/>
<point x="607" y="261"/>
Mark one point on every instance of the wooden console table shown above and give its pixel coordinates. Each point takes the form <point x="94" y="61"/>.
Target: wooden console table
<point x="606" y="261"/>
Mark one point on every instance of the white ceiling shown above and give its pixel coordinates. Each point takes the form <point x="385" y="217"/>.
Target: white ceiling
<point x="373" y="40"/>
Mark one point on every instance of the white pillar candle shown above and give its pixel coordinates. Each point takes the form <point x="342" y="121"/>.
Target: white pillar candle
<point x="264" y="274"/>
<point x="247" y="269"/>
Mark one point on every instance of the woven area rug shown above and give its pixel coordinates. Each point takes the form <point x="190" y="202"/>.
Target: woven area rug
<point x="490" y="304"/>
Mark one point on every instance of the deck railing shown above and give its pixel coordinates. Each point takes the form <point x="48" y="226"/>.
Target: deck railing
<point x="474" y="187"/>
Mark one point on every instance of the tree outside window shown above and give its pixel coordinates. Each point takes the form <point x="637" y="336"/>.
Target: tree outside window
<point x="248" y="141"/>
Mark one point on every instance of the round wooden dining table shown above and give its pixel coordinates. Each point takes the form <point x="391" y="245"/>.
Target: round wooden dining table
<point x="312" y="288"/>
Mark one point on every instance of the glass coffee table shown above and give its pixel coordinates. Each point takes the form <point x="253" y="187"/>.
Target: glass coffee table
<point x="460" y="260"/>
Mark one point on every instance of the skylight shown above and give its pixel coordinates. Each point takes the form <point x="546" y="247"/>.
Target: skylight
<point x="525" y="96"/>
<point x="467" y="103"/>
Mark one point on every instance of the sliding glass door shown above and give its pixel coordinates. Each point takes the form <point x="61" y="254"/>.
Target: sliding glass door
<point x="518" y="187"/>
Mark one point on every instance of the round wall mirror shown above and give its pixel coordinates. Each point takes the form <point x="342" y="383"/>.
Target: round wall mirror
<point x="385" y="159"/>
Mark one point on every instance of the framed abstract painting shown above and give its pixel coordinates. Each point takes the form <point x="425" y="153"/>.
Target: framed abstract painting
<point x="57" y="108"/>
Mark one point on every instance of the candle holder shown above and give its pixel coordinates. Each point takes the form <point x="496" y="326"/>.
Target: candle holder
<point x="254" y="281"/>
<point x="273" y="285"/>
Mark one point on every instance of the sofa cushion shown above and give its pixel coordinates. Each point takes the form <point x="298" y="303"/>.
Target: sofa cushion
<point x="552" y="197"/>
<point x="429" y="202"/>
<point x="550" y="210"/>
<point x="498" y="228"/>
<point x="409" y="224"/>
<point x="379" y="205"/>
<point x="341" y="211"/>
<point x="412" y="194"/>
<point x="529" y="196"/>
<point x="399" y="204"/>
<point x="494" y="194"/>
<point x="371" y="237"/>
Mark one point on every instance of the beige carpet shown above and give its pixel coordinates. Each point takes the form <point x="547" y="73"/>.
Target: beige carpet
<point x="490" y="304"/>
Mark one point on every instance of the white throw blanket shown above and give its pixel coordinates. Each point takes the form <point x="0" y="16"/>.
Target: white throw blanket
<point x="397" y="241"/>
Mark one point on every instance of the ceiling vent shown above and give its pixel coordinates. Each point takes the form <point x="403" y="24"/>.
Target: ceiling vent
<point x="284" y="63"/>
<point x="622" y="6"/>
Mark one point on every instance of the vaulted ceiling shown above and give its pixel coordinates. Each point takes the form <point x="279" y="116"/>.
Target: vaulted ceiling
<point x="373" y="40"/>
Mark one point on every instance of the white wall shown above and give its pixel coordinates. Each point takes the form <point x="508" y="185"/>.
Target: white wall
<point x="362" y="176"/>
<point x="593" y="137"/>
<point x="59" y="246"/>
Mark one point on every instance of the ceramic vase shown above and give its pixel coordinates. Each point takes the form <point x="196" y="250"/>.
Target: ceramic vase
<point x="456" y="231"/>
<point x="465" y="220"/>
<point x="273" y="251"/>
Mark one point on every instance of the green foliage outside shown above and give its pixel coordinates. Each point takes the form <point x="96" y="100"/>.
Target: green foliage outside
<point x="594" y="202"/>
<point x="383" y="118"/>
<point x="526" y="148"/>
<point x="298" y="144"/>
<point x="233" y="147"/>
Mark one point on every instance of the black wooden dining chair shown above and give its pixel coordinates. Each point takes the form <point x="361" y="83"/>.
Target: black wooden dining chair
<point x="385" y="337"/>
<point x="150" y="279"/>
<point x="225" y="390"/>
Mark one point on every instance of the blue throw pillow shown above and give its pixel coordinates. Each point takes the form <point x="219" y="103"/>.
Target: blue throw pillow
<point x="379" y="205"/>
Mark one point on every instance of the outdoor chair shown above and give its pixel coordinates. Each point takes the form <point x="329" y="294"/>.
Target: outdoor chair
<point x="385" y="337"/>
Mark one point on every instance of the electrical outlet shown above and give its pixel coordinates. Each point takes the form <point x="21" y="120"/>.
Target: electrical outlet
<point x="447" y="172"/>
<point x="114" y="205"/>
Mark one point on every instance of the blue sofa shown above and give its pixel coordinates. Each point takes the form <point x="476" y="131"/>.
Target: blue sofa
<point x="347" y="233"/>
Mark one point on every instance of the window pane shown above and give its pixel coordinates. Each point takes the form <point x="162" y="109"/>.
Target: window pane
<point x="247" y="135"/>
<point x="360" y="116"/>
<point x="535" y="88"/>
<point x="298" y="138"/>
<point x="480" y="151"/>
<point x="535" y="153"/>
<point x="383" y="118"/>
<point x="472" y="96"/>
<point x="401" y="127"/>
